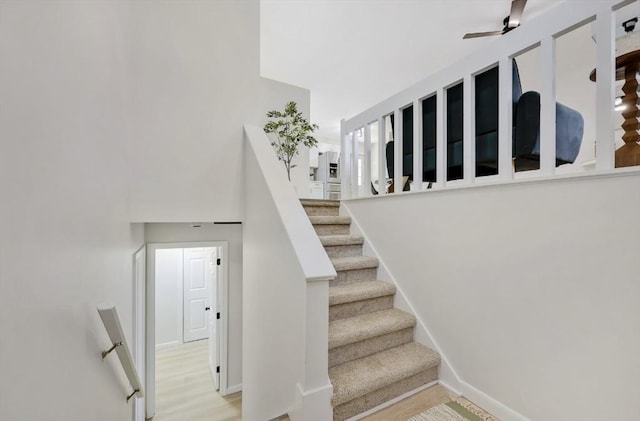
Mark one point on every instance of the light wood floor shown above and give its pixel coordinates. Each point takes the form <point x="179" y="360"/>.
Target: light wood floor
<point x="185" y="391"/>
<point x="413" y="405"/>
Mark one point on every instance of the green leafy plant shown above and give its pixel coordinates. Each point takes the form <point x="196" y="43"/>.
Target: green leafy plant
<point x="290" y="129"/>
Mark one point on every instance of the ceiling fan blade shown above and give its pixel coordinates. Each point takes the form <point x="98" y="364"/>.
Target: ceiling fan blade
<point x="517" y="7"/>
<point x="481" y="34"/>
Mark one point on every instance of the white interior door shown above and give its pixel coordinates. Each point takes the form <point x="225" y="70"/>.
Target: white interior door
<point x="197" y="283"/>
<point x="214" y="315"/>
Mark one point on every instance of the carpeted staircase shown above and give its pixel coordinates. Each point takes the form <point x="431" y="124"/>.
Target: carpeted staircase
<point x="372" y="355"/>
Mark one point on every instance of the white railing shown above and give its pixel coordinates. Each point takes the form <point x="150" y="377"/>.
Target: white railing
<point x="542" y="31"/>
<point x="111" y="321"/>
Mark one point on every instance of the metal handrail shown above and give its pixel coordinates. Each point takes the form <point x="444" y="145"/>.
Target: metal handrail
<point x="111" y="322"/>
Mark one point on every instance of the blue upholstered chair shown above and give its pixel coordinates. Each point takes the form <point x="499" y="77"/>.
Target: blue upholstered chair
<point x="526" y="139"/>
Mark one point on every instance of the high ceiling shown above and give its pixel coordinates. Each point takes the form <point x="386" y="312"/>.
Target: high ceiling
<point x="353" y="54"/>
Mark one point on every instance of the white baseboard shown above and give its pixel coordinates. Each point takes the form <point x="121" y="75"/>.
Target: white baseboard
<point x="168" y="345"/>
<point x="489" y="404"/>
<point x="312" y="405"/>
<point x="233" y="389"/>
<point x="421" y="333"/>
<point x="448" y="377"/>
<point x="392" y="401"/>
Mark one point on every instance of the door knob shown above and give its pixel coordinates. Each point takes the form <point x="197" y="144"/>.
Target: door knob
<point x="207" y="308"/>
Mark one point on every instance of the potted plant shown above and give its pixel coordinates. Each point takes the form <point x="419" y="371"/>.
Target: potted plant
<point x="290" y="129"/>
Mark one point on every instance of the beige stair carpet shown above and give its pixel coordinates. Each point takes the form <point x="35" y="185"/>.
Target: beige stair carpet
<point x="372" y="355"/>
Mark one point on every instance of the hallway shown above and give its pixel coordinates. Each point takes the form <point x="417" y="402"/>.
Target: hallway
<point x="185" y="389"/>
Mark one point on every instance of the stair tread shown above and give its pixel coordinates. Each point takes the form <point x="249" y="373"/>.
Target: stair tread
<point x="357" y="378"/>
<point x="359" y="328"/>
<point x="340" y="240"/>
<point x="330" y="220"/>
<point x="354" y="262"/>
<point x="320" y="202"/>
<point x="358" y="291"/>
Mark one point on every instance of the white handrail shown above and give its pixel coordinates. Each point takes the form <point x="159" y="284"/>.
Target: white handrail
<point x="313" y="259"/>
<point x="540" y="31"/>
<point x="111" y="323"/>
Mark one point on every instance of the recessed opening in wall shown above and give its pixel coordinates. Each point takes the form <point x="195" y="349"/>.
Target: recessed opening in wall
<point x="627" y="63"/>
<point x="455" y="132"/>
<point x="186" y="326"/>
<point x="575" y="101"/>
<point x="374" y="159"/>
<point x="486" y="121"/>
<point x="526" y="87"/>
<point x="429" y="139"/>
<point x="405" y="127"/>
<point x="387" y="140"/>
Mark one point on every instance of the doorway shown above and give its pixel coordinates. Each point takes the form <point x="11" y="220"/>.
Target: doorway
<point x="186" y="291"/>
<point x="187" y="306"/>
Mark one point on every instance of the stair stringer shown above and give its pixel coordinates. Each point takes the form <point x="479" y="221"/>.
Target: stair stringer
<point x="447" y="375"/>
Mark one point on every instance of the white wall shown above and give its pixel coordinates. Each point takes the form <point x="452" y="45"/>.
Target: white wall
<point x="194" y="82"/>
<point x="169" y="290"/>
<point x="530" y="289"/>
<point x="175" y="232"/>
<point x="273" y="358"/>
<point x="111" y="112"/>
<point x="66" y="244"/>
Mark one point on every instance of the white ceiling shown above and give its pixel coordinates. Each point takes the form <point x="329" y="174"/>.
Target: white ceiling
<point x="353" y="54"/>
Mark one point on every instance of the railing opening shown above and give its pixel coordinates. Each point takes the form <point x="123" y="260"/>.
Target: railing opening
<point x="527" y="105"/>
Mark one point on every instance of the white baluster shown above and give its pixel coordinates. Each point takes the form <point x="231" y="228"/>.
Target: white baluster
<point x="417" y="145"/>
<point x="605" y="88"/>
<point x="548" y="106"/>
<point x="469" y="129"/>
<point x="505" y="119"/>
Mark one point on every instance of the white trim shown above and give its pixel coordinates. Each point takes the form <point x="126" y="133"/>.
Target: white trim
<point x="548" y="106"/>
<point x="447" y="375"/>
<point x="393" y="401"/>
<point x="382" y="159"/>
<point x="469" y="129"/>
<point x="234" y="389"/>
<point x="489" y="404"/>
<point x="312" y="404"/>
<point x="422" y="333"/>
<point x="151" y="316"/>
<point x="505" y="120"/>
<point x="139" y="326"/>
<point x="166" y="345"/>
<point x="418" y="146"/>
<point x="397" y="151"/>
<point x="366" y="177"/>
<point x="605" y="88"/>
<point x="618" y="172"/>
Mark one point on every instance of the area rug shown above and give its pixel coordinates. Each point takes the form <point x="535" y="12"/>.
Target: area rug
<point x="454" y="411"/>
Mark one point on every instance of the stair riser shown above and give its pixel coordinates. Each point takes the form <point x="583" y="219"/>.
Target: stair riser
<point x="357" y="308"/>
<point x="344" y="251"/>
<point x="332" y="229"/>
<point x="368" y="347"/>
<point x="378" y="397"/>
<point x="357" y="275"/>
<point x="322" y="210"/>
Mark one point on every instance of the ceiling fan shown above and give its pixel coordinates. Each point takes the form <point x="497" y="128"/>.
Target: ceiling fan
<point x="510" y="22"/>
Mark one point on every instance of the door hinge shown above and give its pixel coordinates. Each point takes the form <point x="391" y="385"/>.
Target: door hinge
<point x="218" y="262"/>
<point x="217" y="369"/>
<point x="217" y="315"/>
